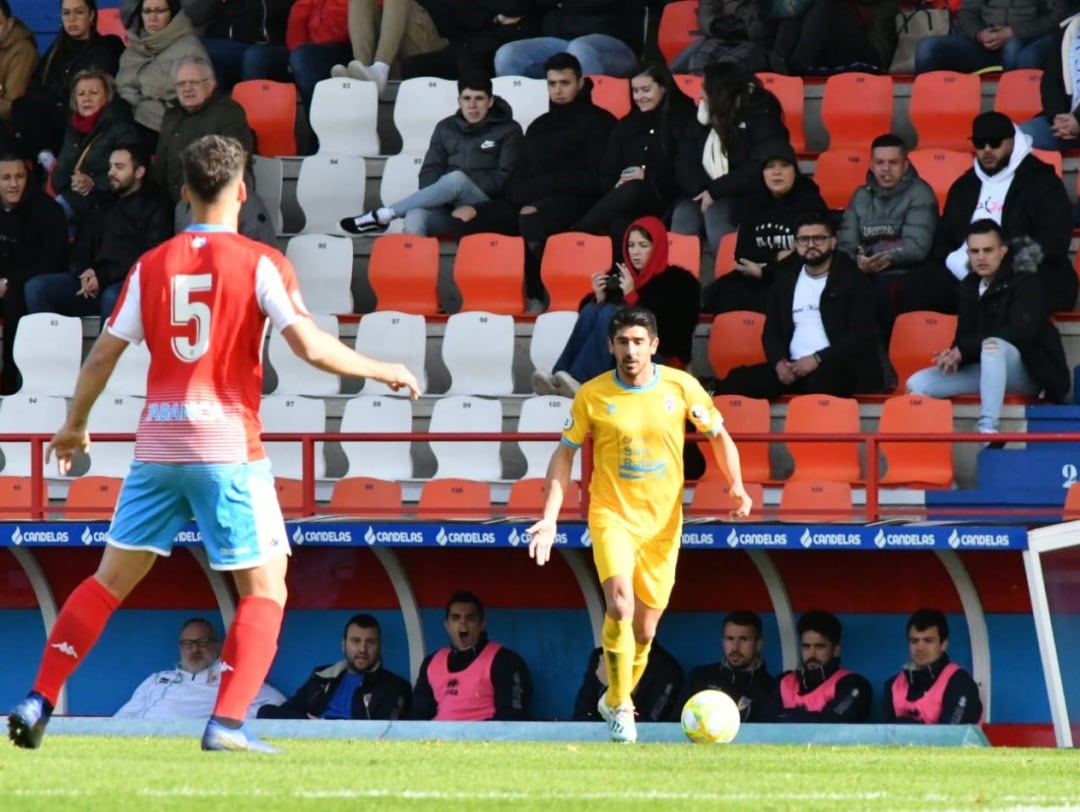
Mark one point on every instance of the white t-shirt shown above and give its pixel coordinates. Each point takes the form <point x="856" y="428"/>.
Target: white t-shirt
<point x="809" y="336"/>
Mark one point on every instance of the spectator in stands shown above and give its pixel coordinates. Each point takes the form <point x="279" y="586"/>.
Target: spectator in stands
<point x="742" y="674"/>
<point x="39" y="117"/>
<point x="158" y="41"/>
<point x="888" y="227"/>
<point x="820" y="336"/>
<point x="605" y="36"/>
<point x="1005" y="342"/>
<point x="469" y="162"/>
<point x="639" y="174"/>
<point x="930" y="689"/>
<point x="722" y="162"/>
<point x="189" y="690"/>
<point x="33" y="241"/>
<point x="1018" y="191"/>
<point x="18" y="58"/>
<point x="318" y="39"/>
<point x="1058" y="125"/>
<point x="644" y="278"/>
<point x="819" y="690"/>
<point x="655" y="696"/>
<point x="767" y="234"/>
<point x="244" y="38"/>
<point x="833" y="35"/>
<point x="1016" y="34"/>
<point x="357" y="687"/>
<point x="128" y="221"/>
<point x="473" y="679"/>
<point x="731" y="31"/>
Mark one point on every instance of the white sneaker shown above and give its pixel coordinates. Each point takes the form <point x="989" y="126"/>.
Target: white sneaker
<point x="339" y="72"/>
<point x="565" y="384"/>
<point x="542" y="383"/>
<point x="620" y="720"/>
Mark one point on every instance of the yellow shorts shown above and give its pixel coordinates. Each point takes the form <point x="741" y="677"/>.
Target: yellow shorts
<point x="649" y="561"/>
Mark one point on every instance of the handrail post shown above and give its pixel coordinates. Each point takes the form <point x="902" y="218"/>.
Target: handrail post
<point x="307" y="484"/>
<point x="38" y="496"/>
<point x="872" y="511"/>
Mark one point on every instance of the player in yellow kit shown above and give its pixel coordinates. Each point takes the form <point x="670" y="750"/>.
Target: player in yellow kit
<point x="636" y="415"/>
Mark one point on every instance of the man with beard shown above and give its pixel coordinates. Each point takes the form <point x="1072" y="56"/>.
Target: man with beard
<point x="819" y="690"/>
<point x="357" y="687"/>
<point x="820" y="336"/>
<point x="742" y="673"/>
<point x="126" y="224"/>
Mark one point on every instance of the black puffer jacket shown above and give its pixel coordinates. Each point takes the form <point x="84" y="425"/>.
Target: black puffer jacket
<point x="383" y="695"/>
<point x="67" y="56"/>
<point x="33" y="237"/>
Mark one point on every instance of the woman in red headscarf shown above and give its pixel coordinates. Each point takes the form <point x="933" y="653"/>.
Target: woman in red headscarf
<point x="644" y="278"/>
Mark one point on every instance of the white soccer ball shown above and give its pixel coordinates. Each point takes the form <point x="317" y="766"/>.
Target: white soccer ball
<point x="710" y="717"/>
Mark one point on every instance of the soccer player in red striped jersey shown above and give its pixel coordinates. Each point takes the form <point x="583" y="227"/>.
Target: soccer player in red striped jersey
<point x="200" y="301"/>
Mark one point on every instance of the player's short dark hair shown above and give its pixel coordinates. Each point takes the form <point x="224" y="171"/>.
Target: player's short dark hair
<point x="824" y="623"/>
<point x="985" y="226"/>
<point x="5" y="7"/>
<point x="8" y="156"/>
<point x="633" y="316"/>
<point x="138" y="153"/>
<point x="925" y="618"/>
<point x="889" y="140"/>
<point x="563" y="61"/>
<point x="198" y="618"/>
<point x="816" y="218"/>
<point x="210" y="164"/>
<point x="744" y="617"/>
<point x="465" y="596"/>
<point x="475" y="80"/>
<point x="364" y="621"/>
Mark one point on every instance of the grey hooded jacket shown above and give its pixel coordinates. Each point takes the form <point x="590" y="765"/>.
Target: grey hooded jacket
<point x="899" y="221"/>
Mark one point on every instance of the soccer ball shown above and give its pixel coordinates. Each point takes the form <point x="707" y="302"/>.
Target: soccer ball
<point x="710" y="717"/>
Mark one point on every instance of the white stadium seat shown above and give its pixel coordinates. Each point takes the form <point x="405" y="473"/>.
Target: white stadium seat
<point x="458" y="459"/>
<point x="297" y="377"/>
<point x="344" y="113"/>
<point x="400" y="177"/>
<point x="129" y="374"/>
<point x="291" y="414"/>
<point x="367" y="414"/>
<point x="549" y="335"/>
<point x="28" y="414"/>
<point x="269" y="174"/>
<point x="478" y="350"/>
<point x="113" y="414"/>
<point x="528" y="98"/>
<point x="548" y="414"/>
<point x="393" y="336"/>
<point x="48" y="353"/>
<point x="324" y="267"/>
<point x="422" y="103"/>
<point x="329" y="188"/>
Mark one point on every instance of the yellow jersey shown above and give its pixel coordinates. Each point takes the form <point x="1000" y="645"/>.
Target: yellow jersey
<point x="638" y="435"/>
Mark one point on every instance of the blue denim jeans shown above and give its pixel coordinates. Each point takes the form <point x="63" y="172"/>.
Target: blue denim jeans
<point x="427" y="211"/>
<point x="718" y="220"/>
<point x="597" y="53"/>
<point x="586" y="354"/>
<point x="311" y="64"/>
<point x="59" y="293"/>
<point x="265" y="62"/>
<point x="1042" y="137"/>
<point x="964" y="54"/>
<point x="1000" y="370"/>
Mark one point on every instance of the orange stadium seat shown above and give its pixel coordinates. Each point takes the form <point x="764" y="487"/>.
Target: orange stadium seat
<point x="1072" y="503"/>
<point x="725" y="255"/>
<point x="366" y="496"/>
<point x="489" y="271"/>
<point x="839" y="172"/>
<point x="856" y="108"/>
<point x="807" y="500"/>
<point x="940" y="168"/>
<point x="691" y="85"/>
<point x="404" y="273"/>
<point x="743" y="415"/>
<point x="711" y="499"/>
<point x="527" y="499"/>
<point x="678" y="28"/>
<point x="570" y="260"/>
<point x="919" y="465"/>
<point x="612" y="93"/>
<point x="290" y="495"/>
<point x="823" y="414"/>
<point x="1052" y="157"/>
<point x="941" y="108"/>
<point x="684" y="250"/>
<point x="271" y="113"/>
<point x="916" y="338"/>
<point x="14" y="497"/>
<point x="92" y="498"/>
<point x="455" y="498"/>
<point x="791" y="91"/>
<point x="109" y="22"/>
<point x="735" y="341"/>
<point x="1018" y="94"/>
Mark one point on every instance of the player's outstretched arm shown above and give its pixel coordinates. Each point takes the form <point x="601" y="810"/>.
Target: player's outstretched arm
<point x="93" y="376"/>
<point x="542" y="534"/>
<point x="322" y="350"/>
<point x="727" y="457"/>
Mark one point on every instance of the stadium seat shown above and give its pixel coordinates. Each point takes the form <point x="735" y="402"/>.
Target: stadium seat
<point x="289" y="414"/>
<point x="823" y="414"/>
<point x="373" y="414"/>
<point x="28" y="414"/>
<point x="612" y="93"/>
<point x="917" y="465"/>
<point x="549" y="335"/>
<point x="290" y="496"/>
<point x="839" y="172"/>
<point x="527" y="497"/>
<point x="454" y="498"/>
<point x="1052" y="157"/>
<point x="15" y="497"/>
<point x="324" y="266"/>
<point x="343" y="114"/>
<point x="942" y="106"/>
<point x="725" y="255"/>
<point x="48" y="353"/>
<point x="469" y="459"/>
<point x="1072" y="503"/>
<point x="743" y="415"/>
<point x="735" y="341"/>
<point x="269" y="181"/>
<point x="916" y="338"/>
<point x="711" y="498"/>
<point x="684" y="250"/>
<point x="403" y="271"/>
<point x="366" y="496"/>
<point x="295" y="376"/>
<point x="1017" y="94"/>
<point x="478" y="350"/>
<point x="816" y="502"/>
<point x="940" y="168"/>
<point x="678" y="28"/>
<point x="109" y="22"/>
<point x="691" y="85"/>
<point x="489" y="271"/>
<point x="393" y="336"/>
<point x="422" y="103"/>
<point x="856" y="108"/>
<point x="270" y="108"/>
<point x="92" y="498"/>
<point x="400" y="178"/>
<point x="528" y="98"/>
<point x="129" y="374"/>
<point x="791" y="91"/>
<point x="570" y="259"/>
<point x="114" y="414"/>
<point x="329" y="188"/>
<point x="543" y="414"/>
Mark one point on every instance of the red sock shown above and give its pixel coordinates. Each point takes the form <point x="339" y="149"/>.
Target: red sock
<point x="77" y="628"/>
<point x="247" y="654"/>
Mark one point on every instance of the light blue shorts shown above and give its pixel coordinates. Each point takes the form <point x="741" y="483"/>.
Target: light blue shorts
<point x="234" y="504"/>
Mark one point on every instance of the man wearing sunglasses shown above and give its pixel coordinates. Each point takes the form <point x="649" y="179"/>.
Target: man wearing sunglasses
<point x="1019" y="192"/>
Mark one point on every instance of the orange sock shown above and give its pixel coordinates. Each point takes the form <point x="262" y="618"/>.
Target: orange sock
<point x="247" y="654"/>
